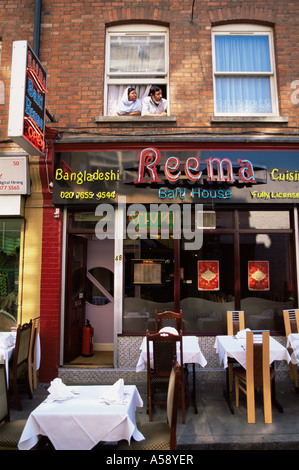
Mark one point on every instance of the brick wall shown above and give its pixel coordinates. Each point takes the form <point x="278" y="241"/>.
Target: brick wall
<point x="72" y="49"/>
<point x="50" y="295"/>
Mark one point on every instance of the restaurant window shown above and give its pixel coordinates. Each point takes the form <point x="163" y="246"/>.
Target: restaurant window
<point x="10" y="230"/>
<point x="244" y="71"/>
<point x="148" y="271"/>
<point x="136" y="55"/>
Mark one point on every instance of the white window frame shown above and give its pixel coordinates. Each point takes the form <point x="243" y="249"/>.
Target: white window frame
<point x="247" y="29"/>
<point x="136" y="78"/>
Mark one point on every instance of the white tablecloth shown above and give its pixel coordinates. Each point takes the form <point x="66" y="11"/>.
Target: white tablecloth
<point x="191" y="353"/>
<point x="293" y="341"/>
<point x="6" y="352"/>
<point x="229" y="346"/>
<point x="82" y="421"/>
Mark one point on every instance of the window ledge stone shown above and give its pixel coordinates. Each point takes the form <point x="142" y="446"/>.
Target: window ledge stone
<point x="278" y="119"/>
<point x="118" y="120"/>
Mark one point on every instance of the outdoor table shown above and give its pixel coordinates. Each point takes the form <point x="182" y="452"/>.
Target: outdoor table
<point x="191" y="355"/>
<point x="232" y="347"/>
<point x="81" y="422"/>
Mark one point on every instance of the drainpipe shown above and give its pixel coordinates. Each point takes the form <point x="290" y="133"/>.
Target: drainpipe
<point x="36" y="32"/>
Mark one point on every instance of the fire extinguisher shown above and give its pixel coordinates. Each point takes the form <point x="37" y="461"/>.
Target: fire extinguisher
<point x="87" y="338"/>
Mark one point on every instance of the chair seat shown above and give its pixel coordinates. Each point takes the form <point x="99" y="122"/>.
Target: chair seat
<point x="10" y="434"/>
<point x="156" y="437"/>
<point x="241" y="373"/>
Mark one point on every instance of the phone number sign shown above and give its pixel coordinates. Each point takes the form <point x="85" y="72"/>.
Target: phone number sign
<point x="14" y="178"/>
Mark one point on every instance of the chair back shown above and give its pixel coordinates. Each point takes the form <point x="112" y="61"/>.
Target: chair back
<point x="235" y="321"/>
<point x="173" y="402"/>
<point x="4" y="409"/>
<point x="164" y="347"/>
<point x="22" y="346"/>
<point x="291" y="321"/>
<point x="258" y="357"/>
<point x="169" y="318"/>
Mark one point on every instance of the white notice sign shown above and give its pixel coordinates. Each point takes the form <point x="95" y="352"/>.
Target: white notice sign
<point x="14" y="178"/>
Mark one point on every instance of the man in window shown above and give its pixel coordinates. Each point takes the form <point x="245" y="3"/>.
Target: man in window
<point x="154" y="103"/>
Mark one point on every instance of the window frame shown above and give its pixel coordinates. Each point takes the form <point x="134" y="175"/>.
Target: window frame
<point x="246" y="30"/>
<point x="136" y="78"/>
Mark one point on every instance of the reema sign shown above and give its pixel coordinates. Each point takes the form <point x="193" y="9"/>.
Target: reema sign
<point x="27" y="108"/>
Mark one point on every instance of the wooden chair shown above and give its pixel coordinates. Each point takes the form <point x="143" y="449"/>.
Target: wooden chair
<point x="168" y="318"/>
<point x="291" y="325"/>
<point x="160" y="435"/>
<point x="235" y="323"/>
<point x="32" y="374"/>
<point x="20" y="359"/>
<point x="164" y="347"/>
<point x="258" y="374"/>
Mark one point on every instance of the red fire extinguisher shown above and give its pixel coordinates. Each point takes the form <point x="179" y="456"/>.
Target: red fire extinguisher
<point x="87" y="338"/>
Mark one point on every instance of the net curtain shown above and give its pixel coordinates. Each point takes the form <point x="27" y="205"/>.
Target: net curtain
<point x="243" y="94"/>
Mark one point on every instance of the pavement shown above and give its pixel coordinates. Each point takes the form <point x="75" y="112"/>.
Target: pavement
<point x="214" y="427"/>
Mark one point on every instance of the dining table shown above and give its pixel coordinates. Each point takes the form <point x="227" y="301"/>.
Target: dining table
<point x="192" y="354"/>
<point x="84" y="420"/>
<point x="230" y="347"/>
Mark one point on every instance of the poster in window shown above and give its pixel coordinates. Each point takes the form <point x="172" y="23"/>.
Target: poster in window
<point x="208" y="275"/>
<point x="258" y="275"/>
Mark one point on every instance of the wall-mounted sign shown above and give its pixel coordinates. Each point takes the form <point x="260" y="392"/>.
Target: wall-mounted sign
<point x="27" y="107"/>
<point x="236" y="176"/>
<point x="14" y="175"/>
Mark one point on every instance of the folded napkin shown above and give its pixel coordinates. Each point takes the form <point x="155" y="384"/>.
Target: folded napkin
<point x="242" y="333"/>
<point x="59" y="391"/>
<point x="114" y="394"/>
<point x="169" y="329"/>
<point x="7" y="341"/>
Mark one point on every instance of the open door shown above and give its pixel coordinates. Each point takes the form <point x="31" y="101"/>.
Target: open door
<point x="75" y="297"/>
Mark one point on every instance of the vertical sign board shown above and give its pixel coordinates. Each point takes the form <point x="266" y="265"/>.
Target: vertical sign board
<point x="27" y="107"/>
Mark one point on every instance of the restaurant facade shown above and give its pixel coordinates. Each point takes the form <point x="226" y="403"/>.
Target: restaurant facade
<point x="122" y="215"/>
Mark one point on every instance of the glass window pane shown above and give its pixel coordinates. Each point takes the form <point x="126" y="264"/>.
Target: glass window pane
<point x="9" y="266"/>
<point x="264" y="219"/>
<point x="134" y="54"/>
<point x="274" y="290"/>
<point x="141" y="301"/>
<point x="243" y="95"/>
<point x="242" y="53"/>
<point x="205" y="310"/>
<point x="100" y="281"/>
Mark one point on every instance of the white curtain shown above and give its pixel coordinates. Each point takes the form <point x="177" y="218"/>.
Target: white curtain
<point x="246" y="95"/>
<point x="115" y="93"/>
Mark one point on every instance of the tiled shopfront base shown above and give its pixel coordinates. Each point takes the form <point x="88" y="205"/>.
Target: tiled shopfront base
<point x="128" y="355"/>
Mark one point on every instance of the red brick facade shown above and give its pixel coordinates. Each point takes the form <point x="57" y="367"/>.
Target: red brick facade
<point x="72" y="50"/>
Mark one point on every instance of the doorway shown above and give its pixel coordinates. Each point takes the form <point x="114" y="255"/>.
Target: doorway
<point x="90" y="296"/>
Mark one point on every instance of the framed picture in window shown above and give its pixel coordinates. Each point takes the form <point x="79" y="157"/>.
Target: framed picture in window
<point x="208" y="275"/>
<point x="148" y="271"/>
<point x="258" y="275"/>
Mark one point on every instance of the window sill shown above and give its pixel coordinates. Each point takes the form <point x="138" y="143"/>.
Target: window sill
<point x="128" y="119"/>
<point x="278" y="119"/>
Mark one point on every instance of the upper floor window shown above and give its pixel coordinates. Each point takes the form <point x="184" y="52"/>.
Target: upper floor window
<point x="244" y="71"/>
<point x="136" y="56"/>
